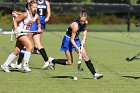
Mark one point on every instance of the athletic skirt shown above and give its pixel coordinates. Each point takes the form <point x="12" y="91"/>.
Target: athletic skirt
<point x="19" y="29"/>
<point x="67" y="45"/>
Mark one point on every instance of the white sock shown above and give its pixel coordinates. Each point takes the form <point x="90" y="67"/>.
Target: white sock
<point x="26" y="58"/>
<point x="10" y="58"/>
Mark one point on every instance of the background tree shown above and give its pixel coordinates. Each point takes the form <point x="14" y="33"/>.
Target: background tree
<point x="110" y="1"/>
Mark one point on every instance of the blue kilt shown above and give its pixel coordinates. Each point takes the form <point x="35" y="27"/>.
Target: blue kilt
<point x="67" y="45"/>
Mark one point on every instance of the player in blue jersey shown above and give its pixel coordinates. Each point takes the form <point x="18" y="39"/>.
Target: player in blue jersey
<point x="43" y="10"/>
<point x="72" y="42"/>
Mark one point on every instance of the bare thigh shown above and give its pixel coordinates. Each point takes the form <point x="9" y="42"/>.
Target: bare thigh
<point x="24" y="40"/>
<point x="18" y="47"/>
<point x="37" y="41"/>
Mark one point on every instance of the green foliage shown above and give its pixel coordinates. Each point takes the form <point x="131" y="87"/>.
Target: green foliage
<point x="71" y="1"/>
<point x="99" y="19"/>
<point x="134" y="1"/>
<point x="111" y="1"/>
<point x="9" y="0"/>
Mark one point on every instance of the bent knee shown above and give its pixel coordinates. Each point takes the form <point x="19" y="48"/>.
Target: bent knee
<point x="69" y="62"/>
<point x="29" y="48"/>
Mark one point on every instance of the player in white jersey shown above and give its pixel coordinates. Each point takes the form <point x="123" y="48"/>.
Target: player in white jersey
<point x="25" y="20"/>
<point x="44" y="6"/>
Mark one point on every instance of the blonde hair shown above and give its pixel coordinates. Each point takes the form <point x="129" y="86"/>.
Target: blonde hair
<point x="31" y="3"/>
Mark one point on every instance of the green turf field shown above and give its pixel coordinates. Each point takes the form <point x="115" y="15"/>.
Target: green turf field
<point x="107" y="51"/>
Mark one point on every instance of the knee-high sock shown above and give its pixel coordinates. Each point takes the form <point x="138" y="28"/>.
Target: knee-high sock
<point x="44" y="55"/>
<point x="59" y="61"/>
<point x="90" y="66"/>
<point x="20" y="58"/>
<point x="21" y="55"/>
<point x="26" y="58"/>
<point x="10" y="58"/>
<point x="35" y="48"/>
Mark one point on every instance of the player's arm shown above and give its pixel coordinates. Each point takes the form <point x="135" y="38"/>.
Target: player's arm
<point x="48" y="11"/>
<point x="38" y="23"/>
<point x="19" y="18"/>
<point x="74" y="28"/>
<point x="15" y="13"/>
<point x="28" y="0"/>
<point x="85" y="33"/>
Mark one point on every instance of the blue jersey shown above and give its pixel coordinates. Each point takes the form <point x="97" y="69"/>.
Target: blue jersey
<point x="66" y="43"/>
<point x="41" y="8"/>
<point x="41" y="11"/>
<point x="80" y="29"/>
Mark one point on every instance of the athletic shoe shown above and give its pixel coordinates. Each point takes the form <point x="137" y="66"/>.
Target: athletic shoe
<point x="5" y="68"/>
<point x="98" y="76"/>
<point x="46" y="65"/>
<point x="52" y="65"/>
<point x="26" y="68"/>
<point x="16" y="66"/>
<point x="35" y="52"/>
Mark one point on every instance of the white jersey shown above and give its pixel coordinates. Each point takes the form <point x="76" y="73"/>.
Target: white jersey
<point x="25" y="24"/>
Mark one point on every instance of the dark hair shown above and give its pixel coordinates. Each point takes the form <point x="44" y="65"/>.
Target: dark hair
<point x="82" y="13"/>
<point x="31" y="3"/>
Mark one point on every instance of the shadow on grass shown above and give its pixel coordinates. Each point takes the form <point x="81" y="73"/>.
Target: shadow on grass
<point x="11" y="70"/>
<point x="87" y="78"/>
<point x="71" y="77"/>
<point x="93" y="78"/>
<point x="35" y="68"/>
<point x="133" y="77"/>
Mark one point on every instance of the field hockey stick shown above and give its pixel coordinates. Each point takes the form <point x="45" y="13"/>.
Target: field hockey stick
<point x="23" y="31"/>
<point x="132" y="58"/>
<point x="12" y="31"/>
<point x="80" y="58"/>
<point x="12" y="22"/>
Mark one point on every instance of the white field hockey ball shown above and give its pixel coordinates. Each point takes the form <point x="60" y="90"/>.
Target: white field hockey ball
<point x="75" y="78"/>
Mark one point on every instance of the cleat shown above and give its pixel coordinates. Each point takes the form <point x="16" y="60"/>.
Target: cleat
<point x="16" y="66"/>
<point x="52" y="65"/>
<point x="26" y="69"/>
<point x="5" y="68"/>
<point x="46" y="65"/>
<point x="98" y="76"/>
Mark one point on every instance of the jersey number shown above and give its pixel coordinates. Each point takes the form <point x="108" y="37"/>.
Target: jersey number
<point x="41" y="12"/>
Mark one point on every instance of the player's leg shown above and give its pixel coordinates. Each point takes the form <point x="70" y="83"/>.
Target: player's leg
<point x="28" y="44"/>
<point x="36" y="39"/>
<point x="18" y="64"/>
<point x="12" y="56"/>
<point x="33" y="27"/>
<point x="67" y="48"/>
<point x="21" y="55"/>
<point x="67" y="61"/>
<point x="90" y="65"/>
<point x="35" y="51"/>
